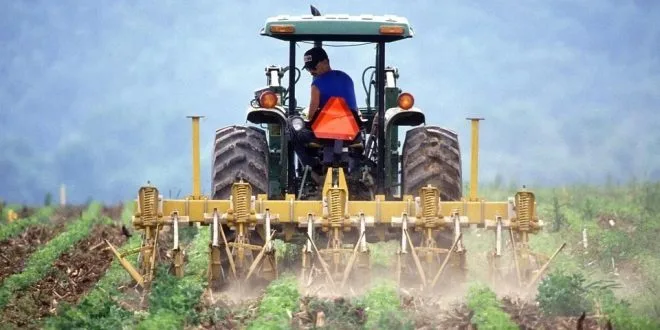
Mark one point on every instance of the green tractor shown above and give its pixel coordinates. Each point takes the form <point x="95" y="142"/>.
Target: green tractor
<point x="263" y="156"/>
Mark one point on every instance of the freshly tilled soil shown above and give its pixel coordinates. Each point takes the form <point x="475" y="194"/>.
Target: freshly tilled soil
<point x="15" y="251"/>
<point x="73" y="274"/>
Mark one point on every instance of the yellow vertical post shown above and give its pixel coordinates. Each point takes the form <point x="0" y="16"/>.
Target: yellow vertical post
<point x="474" y="160"/>
<point x="196" y="181"/>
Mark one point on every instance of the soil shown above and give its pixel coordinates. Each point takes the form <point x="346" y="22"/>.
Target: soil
<point x="73" y="274"/>
<point x="219" y="313"/>
<point x="16" y="250"/>
<point x="333" y="313"/>
<point x="428" y="314"/>
<point x="113" y="211"/>
<point x="528" y="316"/>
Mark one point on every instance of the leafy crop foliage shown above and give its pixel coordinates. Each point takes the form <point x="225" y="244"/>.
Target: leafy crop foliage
<point x="99" y="309"/>
<point x="564" y="294"/>
<point x="280" y="299"/>
<point x="40" y="262"/>
<point x="621" y="315"/>
<point x="14" y="228"/>
<point x="488" y="313"/>
<point x="383" y="307"/>
<point x="382" y="254"/>
<point x="287" y="254"/>
<point x="172" y="300"/>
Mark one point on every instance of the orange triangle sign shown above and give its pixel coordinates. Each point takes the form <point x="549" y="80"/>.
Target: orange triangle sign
<point x="335" y="121"/>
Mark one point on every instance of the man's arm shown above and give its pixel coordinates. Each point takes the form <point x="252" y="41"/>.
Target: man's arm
<point x="314" y="101"/>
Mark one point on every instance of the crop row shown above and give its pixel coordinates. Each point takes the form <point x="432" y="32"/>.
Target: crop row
<point x="172" y="300"/>
<point x="488" y="313"/>
<point x="40" y="262"/>
<point x="12" y="229"/>
<point x="100" y="308"/>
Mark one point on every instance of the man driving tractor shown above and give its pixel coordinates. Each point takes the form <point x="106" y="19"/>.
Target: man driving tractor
<point x="326" y="83"/>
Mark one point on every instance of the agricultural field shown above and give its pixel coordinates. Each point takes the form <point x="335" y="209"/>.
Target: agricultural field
<point x="56" y="272"/>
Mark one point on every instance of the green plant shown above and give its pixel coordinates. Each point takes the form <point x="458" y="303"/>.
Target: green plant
<point x="382" y="253"/>
<point x="488" y="313"/>
<point x="382" y="305"/>
<point x="558" y="219"/>
<point x="619" y="311"/>
<point x="588" y="210"/>
<point x="614" y="244"/>
<point x="280" y="299"/>
<point x="174" y="299"/>
<point x="563" y="294"/>
<point x="286" y="253"/>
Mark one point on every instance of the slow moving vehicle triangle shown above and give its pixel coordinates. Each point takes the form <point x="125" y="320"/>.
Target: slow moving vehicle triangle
<point x="335" y="121"/>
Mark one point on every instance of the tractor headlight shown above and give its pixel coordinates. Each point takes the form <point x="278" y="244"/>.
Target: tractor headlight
<point x="297" y="123"/>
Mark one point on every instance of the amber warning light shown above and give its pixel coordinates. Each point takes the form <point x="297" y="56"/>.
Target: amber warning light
<point x="282" y="28"/>
<point x="268" y="99"/>
<point x="391" y="29"/>
<point x="405" y="101"/>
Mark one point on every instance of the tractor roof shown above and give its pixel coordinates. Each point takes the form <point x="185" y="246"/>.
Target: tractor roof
<point x="354" y="28"/>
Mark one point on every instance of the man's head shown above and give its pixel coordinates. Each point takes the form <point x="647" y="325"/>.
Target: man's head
<point x="316" y="61"/>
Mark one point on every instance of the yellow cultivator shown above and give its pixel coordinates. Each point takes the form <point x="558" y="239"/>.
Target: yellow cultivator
<point x="370" y="190"/>
<point x="331" y="219"/>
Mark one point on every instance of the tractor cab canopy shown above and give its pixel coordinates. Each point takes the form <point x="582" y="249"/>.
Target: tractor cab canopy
<point x="350" y="28"/>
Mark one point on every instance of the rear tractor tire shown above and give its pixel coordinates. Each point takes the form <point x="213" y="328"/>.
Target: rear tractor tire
<point x="431" y="155"/>
<point x="240" y="152"/>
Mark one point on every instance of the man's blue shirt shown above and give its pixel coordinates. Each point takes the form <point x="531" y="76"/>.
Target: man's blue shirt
<point x="336" y="83"/>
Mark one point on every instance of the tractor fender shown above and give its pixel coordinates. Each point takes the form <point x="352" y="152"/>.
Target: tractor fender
<point x="275" y="115"/>
<point x="399" y="117"/>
